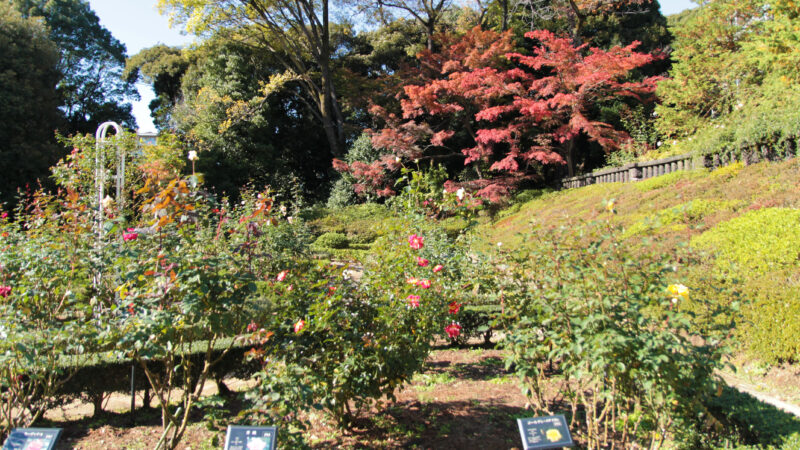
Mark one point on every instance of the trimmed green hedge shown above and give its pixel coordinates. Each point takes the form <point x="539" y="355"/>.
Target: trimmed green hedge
<point x="331" y="239"/>
<point x="762" y="248"/>
<point x="101" y="374"/>
<point x="755" y="243"/>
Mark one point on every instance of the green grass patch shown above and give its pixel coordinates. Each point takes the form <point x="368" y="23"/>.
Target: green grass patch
<point x="755" y="243"/>
<point x="676" y="218"/>
<point x="668" y="179"/>
<point x="426" y="382"/>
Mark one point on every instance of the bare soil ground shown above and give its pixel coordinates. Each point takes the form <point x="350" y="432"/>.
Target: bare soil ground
<point x="464" y="399"/>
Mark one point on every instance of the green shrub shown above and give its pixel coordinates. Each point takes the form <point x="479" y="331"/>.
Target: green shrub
<point x="342" y="194"/>
<point x="454" y="226"/>
<point x="331" y="240"/>
<point x="477" y="321"/>
<point x="755" y="243"/>
<point x="601" y="312"/>
<point x="361" y="237"/>
<point x="770" y="328"/>
<point x="361" y="224"/>
<point x="353" y="343"/>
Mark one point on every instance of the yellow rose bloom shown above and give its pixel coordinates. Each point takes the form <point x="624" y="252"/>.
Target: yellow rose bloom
<point x="678" y="291"/>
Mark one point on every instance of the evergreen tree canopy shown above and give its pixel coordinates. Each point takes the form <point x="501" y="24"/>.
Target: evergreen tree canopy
<point x="91" y="62"/>
<point x="29" y="112"/>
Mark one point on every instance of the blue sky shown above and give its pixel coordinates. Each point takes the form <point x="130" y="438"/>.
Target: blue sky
<point x="138" y="25"/>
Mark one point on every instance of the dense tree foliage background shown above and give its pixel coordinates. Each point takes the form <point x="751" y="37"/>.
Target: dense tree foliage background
<point x="274" y="91"/>
<point x="91" y="62"/>
<point x="29" y="102"/>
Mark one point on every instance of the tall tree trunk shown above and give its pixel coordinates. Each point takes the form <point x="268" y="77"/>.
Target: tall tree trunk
<point x="332" y="119"/>
<point x="569" y="153"/>
<point x="429" y="29"/>
<point x="505" y="14"/>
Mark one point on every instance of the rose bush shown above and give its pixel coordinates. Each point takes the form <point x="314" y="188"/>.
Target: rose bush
<point x="602" y="321"/>
<point x="353" y="343"/>
<point x="172" y="275"/>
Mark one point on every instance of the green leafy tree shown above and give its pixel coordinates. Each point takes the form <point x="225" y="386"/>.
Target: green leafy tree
<point x="297" y="32"/>
<point x="428" y="13"/>
<point x="246" y="132"/>
<point x="163" y="67"/>
<point x="29" y="114"/>
<point x="92" y="60"/>
<point x="712" y="70"/>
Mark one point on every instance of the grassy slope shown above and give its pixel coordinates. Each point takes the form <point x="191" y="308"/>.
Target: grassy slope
<point x="678" y="208"/>
<point x="645" y="206"/>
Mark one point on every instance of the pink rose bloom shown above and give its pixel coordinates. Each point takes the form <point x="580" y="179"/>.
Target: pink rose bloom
<point x="130" y="235"/>
<point x="453" y="330"/>
<point x="422" y="262"/>
<point x="424" y="284"/>
<point x="252" y="326"/>
<point x="416" y="242"/>
<point x="413" y="301"/>
<point x="454" y="307"/>
<point x="3" y="215"/>
<point x="438" y="268"/>
<point x="282" y="276"/>
<point x="299" y="325"/>
<point x="5" y="291"/>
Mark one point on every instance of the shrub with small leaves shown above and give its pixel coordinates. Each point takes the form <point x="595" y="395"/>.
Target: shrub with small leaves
<point x="331" y="240"/>
<point x="602" y="315"/>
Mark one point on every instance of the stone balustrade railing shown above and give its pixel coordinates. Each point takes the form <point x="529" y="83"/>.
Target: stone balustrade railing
<point x="634" y="171"/>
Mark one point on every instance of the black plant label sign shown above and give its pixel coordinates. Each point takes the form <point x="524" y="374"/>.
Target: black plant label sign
<point x="545" y="432"/>
<point x="32" y="439"/>
<point x="250" y="438"/>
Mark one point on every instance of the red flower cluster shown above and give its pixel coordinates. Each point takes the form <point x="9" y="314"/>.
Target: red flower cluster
<point x="416" y="242"/>
<point x="454" y="307"/>
<point x="130" y="235"/>
<point x="5" y="291"/>
<point x="282" y="276"/>
<point x="453" y="330"/>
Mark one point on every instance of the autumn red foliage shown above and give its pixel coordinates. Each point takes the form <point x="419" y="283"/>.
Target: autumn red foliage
<point x="506" y="111"/>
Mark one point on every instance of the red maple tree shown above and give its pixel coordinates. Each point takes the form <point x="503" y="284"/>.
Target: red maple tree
<point x="510" y="111"/>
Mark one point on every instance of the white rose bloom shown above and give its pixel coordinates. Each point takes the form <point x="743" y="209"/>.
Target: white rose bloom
<point x="193" y="156"/>
<point x="107" y="202"/>
<point x="460" y="193"/>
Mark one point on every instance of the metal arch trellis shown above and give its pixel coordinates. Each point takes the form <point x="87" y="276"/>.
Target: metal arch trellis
<point x="101" y="142"/>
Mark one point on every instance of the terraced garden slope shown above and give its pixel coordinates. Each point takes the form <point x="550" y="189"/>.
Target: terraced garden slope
<point x="743" y="222"/>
